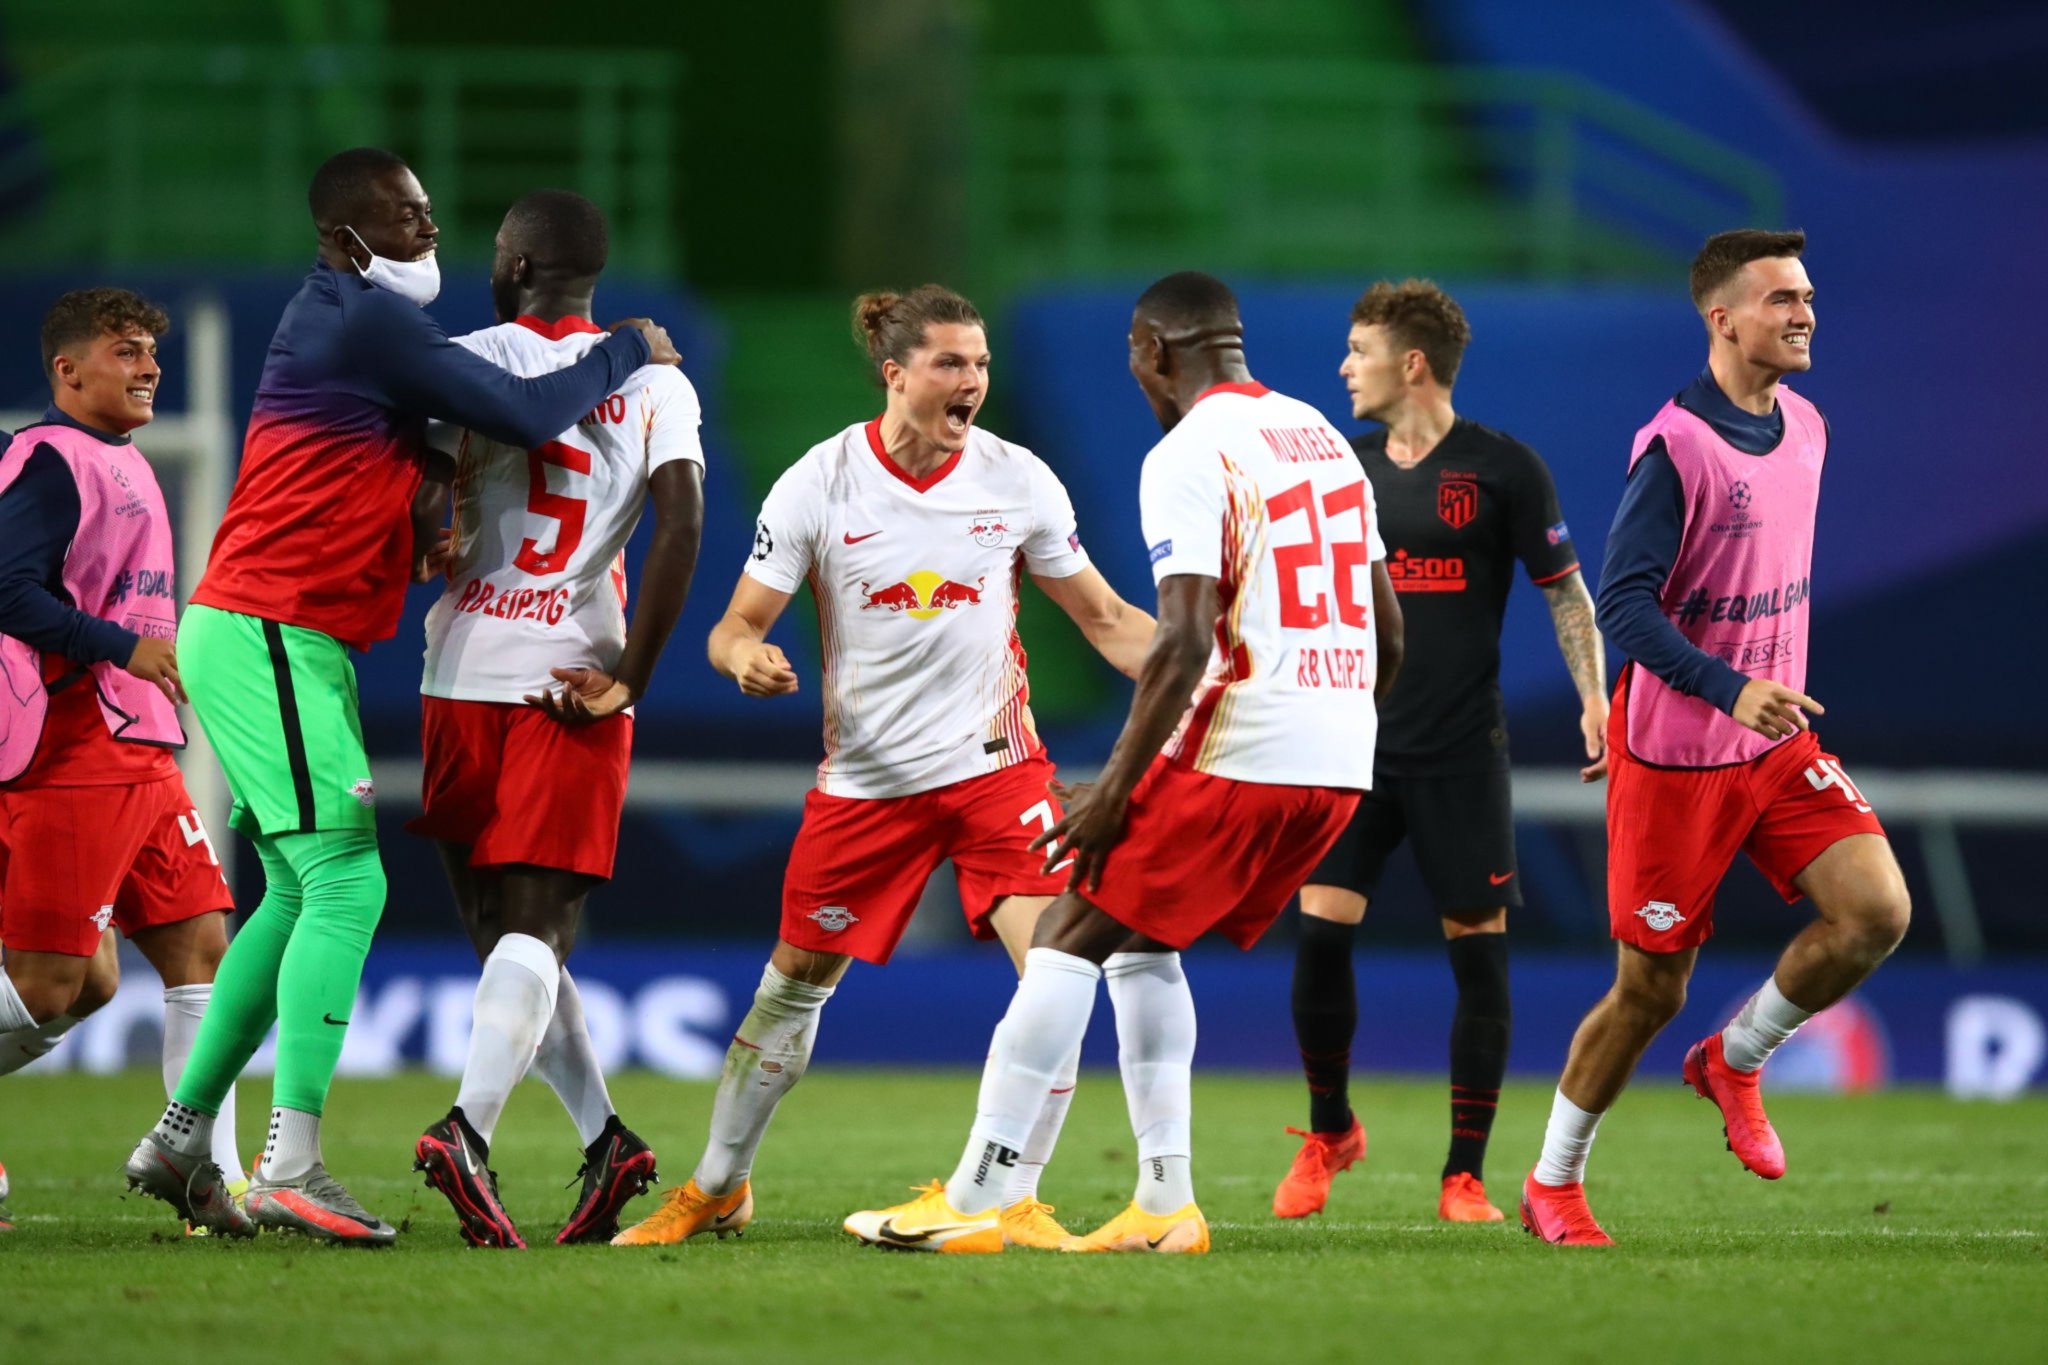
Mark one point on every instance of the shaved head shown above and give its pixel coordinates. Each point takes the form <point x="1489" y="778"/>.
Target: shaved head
<point x="1189" y="304"/>
<point x="560" y="231"/>
<point x="346" y="184"/>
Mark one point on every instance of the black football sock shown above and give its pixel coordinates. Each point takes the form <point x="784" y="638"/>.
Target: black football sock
<point x="1325" y="1017"/>
<point x="1479" y="1046"/>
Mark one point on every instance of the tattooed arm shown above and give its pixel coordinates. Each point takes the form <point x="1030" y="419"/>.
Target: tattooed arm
<point x="1585" y="655"/>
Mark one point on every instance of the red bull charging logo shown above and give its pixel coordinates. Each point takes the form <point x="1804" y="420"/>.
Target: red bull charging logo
<point x="923" y="594"/>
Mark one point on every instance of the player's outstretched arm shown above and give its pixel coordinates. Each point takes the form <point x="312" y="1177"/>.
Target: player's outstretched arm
<point x="739" y="645"/>
<point x="1189" y="607"/>
<point x="420" y="369"/>
<point x="1390" y="631"/>
<point x="1585" y="658"/>
<point x="1120" y="632"/>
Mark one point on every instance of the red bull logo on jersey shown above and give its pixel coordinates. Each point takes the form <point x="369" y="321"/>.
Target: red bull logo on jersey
<point x="923" y="595"/>
<point x="988" y="529"/>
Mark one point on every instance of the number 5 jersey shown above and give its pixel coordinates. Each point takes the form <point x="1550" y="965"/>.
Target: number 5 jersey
<point x="538" y="579"/>
<point x="1258" y="491"/>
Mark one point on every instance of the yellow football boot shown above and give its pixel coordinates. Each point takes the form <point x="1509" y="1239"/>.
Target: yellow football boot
<point x="1029" y="1223"/>
<point x="928" y="1223"/>
<point x="689" y="1212"/>
<point x="1136" y="1230"/>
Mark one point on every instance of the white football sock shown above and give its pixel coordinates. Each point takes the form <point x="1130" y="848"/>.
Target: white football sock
<point x="14" y="1015"/>
<point x="294" y="1145"/>
<point x="1038" y="1035"/>
<point x="767" y="1057"/>
<point x="1765" y="1020"/>
<point x="567" y="1061"/>
<point x="1155" y="1031"/>
<point x="515" y="999"/>
<point x="184" y="1006"/>
<point x="185" y="1130"/>
<point x="1566" y="1140"/>
<point x="1045" y="1134"/>
<point x="24" y="1045"/>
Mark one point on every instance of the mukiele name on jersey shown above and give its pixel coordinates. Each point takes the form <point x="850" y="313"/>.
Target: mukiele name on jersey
<point x="548" y="605"/>
<point x="1302" y="445"/>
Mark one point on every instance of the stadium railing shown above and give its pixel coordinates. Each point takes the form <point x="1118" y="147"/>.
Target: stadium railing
<point x="1102" y="167"/>
<point x="153" y="154"/>
<point x="1934" y="804"/>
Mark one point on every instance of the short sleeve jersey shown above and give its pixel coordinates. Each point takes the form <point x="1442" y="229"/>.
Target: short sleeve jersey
<point x="1456" y="523"/>
<point x="916" y="583"/>
<point x="1258" y="491"/>
<point x="538" y="579"/>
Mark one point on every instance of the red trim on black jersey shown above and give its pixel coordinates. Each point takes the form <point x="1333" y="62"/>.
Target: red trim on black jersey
<point x="923" y="485"/>
<point x="1572" y="567"/>
<point x="559" y="328"/>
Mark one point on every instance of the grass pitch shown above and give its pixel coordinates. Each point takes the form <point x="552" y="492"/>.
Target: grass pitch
<point x="1910" y="1227"/>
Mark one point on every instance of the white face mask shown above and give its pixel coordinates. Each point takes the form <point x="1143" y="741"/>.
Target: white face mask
<point x="418" y="280"/>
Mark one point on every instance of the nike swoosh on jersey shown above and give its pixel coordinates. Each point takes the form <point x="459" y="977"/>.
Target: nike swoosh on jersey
<point x="852" y="539"/>
<point x="1500" y="878"/>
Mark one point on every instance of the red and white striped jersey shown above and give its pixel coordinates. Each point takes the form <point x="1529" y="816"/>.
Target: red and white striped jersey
<point x="916" y="583"/>
<point x="539" y="575"/>
<point x="1258" y="491"/>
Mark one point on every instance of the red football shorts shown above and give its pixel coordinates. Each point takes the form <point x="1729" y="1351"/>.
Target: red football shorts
<point x="75" y="859"/>
<point x="1673" y="832"/>
<point x="1203" y="853"/>
<point x="520" y="787"/>
<point x="859" y="864"/>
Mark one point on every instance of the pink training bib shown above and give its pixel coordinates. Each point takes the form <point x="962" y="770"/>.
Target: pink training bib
<point x="1740" y="586"/>
<point x="119" y="568"/>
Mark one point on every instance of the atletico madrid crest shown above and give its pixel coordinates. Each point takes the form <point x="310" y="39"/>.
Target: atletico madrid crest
<point x="1457" y="502"/>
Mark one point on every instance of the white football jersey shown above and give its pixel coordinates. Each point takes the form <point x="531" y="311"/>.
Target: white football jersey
<point x="916" y="584"/>
<point x="538" y="579"/>
<point x="1258" y="491"/>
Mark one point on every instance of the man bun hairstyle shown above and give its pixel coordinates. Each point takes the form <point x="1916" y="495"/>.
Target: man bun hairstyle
<point x="889" y="326"/>
<point x="83" y="316"/>
<point x="342" y="184"/>
<point x="1725" y="253"/>
<point x="1419" y="316"/>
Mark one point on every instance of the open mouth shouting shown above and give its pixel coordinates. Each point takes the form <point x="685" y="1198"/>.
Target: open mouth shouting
<point x="960" y="416"/>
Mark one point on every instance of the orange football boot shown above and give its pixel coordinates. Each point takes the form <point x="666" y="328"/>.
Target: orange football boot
<point x="1464" y="1201"/>
<point x="689" y="1212"/>
<point x="1307" y="1186"/>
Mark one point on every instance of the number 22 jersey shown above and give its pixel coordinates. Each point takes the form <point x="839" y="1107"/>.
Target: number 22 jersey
<point x="1258" y="491"/>
<point x="538" y="580"/>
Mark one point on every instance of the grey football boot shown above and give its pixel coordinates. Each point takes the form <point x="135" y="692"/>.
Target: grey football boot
<point x="193" y="1185"/>
<point x="317" y="1205"/>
